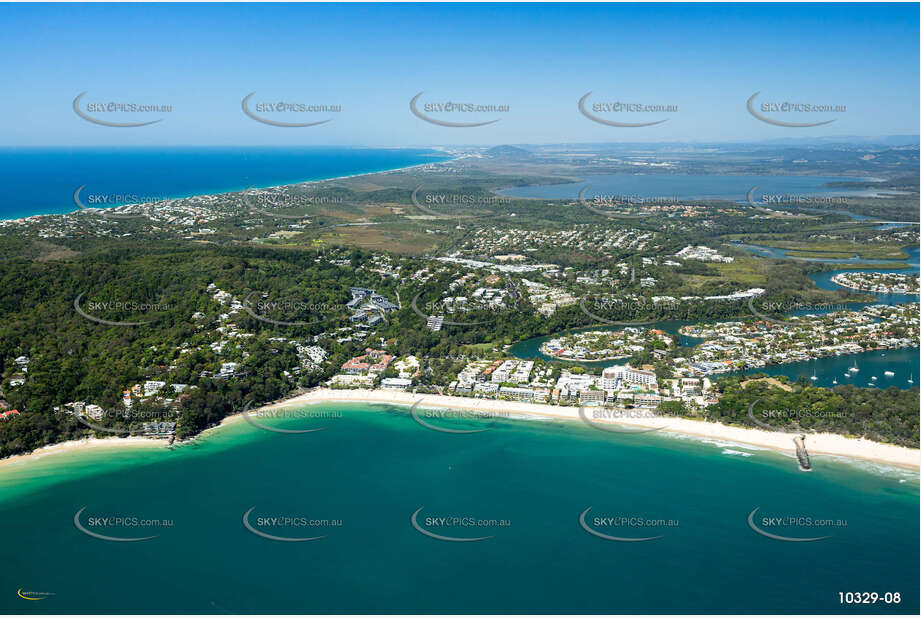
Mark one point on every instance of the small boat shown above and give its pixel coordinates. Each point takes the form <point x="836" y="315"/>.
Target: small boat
<point x="911" y="379"/>
<point x="835" y="381"/>
<point x="888" y="373"/>
<point x="854" y="368"/>
<point x="814" y="377"/>
<point x="873" y="378"/>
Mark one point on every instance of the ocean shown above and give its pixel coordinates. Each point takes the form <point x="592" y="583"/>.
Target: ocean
<point x="523" y="483"/>
<point x="37" y="181"/>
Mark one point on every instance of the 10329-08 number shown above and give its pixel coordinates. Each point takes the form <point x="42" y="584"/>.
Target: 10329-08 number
<point x="869" y="598"/>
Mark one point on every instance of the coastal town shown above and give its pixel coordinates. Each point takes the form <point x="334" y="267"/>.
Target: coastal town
<point x="669" y="373"/>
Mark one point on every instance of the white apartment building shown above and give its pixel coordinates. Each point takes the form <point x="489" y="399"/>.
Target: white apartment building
<point x="613" y="378"/>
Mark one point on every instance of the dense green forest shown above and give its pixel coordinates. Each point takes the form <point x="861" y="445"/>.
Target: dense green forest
<point x="889" y="415"/>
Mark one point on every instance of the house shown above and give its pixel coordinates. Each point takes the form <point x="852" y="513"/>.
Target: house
<point x="229" y="369"/>
<point x="8" y="414"/>
<point x="396" y="383"/>
<point x="152" y="387"/>
<point x="93" y="411"/>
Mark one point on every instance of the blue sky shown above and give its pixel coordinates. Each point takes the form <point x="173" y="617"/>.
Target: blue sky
<point x="539" y="60"/>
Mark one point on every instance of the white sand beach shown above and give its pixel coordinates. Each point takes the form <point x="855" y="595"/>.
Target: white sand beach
<point x="113" y="442"/>
<point x="821" y="443"/>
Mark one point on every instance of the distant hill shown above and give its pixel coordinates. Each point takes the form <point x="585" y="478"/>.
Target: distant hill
<point x="508" y="152"/>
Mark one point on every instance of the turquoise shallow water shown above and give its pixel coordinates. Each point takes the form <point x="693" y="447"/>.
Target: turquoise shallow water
<point x="373" y="467"/>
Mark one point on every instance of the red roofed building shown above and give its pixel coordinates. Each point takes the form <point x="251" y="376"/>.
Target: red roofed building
<point x="363" y="363"/>
<point x="10" y="414"/>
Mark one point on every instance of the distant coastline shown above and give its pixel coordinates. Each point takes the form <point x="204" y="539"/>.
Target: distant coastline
<point x="369" y="161"/>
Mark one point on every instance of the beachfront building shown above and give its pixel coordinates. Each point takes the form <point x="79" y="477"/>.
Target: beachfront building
<point x="400" y="384"/>
<point x="618" y="377"/>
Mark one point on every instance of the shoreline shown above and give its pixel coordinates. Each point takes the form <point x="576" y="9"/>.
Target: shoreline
<point x="228" y="192"/>
<point x="835" y="445"/>
<point x="821" y="444"/>
<point x="836" y="280"/>
<point x="84" y="444"/>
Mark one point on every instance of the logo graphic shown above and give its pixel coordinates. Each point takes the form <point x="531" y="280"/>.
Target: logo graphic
<point x="106" y="123"/>
<point x="272" y="537"/>
<point x="93" y="318"/>
<point x="103" y="537"/>
<point x="776" y="537"/>
<point x="605" y="213"/>
<point x="606" y="321"/>
<point x="758" y="314"/>
<point x="102" y="211"/>
<point x="781" y="107"/>
<point x="612" y="123"/>
<point x="32" y="595"/>
<point x="249" y="419"/>
<point x="441" y="215"/>
<point x="414" y="521"/>
<point x="608" y="537"/>
<point x="415" y="415"/>
<point x="275" y="123"/>
<point x="614" y="414"/>
<point x="448" y="107"/>
<point x="253" y="314"/>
